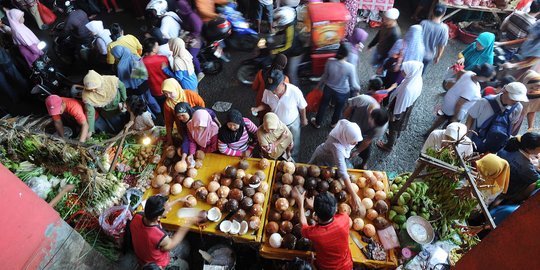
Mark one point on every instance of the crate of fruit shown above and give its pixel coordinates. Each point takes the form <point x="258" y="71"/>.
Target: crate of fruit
<point x="282" y="219"/>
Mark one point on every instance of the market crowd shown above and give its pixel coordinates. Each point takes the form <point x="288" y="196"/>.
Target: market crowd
<point x="156" y="81"/>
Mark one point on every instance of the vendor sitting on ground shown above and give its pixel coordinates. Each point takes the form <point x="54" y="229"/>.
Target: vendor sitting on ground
<point x="235" y="136"/>
<point x="275" y="138"/>
<point x="140" y="117"/>
<point x="440" y="138"/>
<point x="330" y="236"/>
<point x="69" y="109"/>
<point x="151" y="243"/>
<point x="495" y="172"/>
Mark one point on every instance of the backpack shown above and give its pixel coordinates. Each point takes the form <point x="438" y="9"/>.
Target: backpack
<point x="496" y="130"/>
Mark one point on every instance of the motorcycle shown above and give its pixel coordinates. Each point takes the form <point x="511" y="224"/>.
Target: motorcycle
<point x="50" y="81"/>
<point x="242" y="37"/>
<point x="69" y="49"/>
<point x="211" y="54"/>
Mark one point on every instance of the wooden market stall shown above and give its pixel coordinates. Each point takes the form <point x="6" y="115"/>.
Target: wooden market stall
<point x="492" y="8"/>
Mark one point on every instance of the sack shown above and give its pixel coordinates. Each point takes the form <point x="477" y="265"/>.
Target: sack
<point x="313" y="100"/>
<point x="47" y="16"/>
<point x="495" y="131"/>
<point x="139" y="71"/>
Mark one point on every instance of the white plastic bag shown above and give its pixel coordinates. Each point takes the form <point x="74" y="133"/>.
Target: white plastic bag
<point x="117" y="227"/>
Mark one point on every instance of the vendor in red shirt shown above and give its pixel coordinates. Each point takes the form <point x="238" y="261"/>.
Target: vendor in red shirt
<point x="151" y="243"/>
<point x="59" y="107"/>
<point x="330" y="236"/>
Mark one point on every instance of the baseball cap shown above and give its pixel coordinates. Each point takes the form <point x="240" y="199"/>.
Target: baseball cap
<point x="439" y="10"/>
<point x="155" y="206"/>
<point x="456" y="131"/>
<point x="274" y="79"/>
<point x="54" y="104"/>
<point x="517" y="91"/>
<point x="392" y="14"/>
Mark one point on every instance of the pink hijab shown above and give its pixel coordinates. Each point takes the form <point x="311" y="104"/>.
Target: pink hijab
<point x="201" y="118"/>
<point x="22" y="35"/>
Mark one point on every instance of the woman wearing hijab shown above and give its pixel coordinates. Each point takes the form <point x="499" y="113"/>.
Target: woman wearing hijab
<point x="183" y="113"/>
<point x="234" y="136"/>
<point x="531" y="79"/>
<point x="402" y="102"/>
<point x="106" y="94"/>
<point x="337" y="149"/>
<point x="192" y="23"/>
<point x="357" y="39"/>
<point x="274" y="138"/>
<point x="126" y="62"/>
<point x="102" y="35"/>
<point x="202" y="132"/>
<point x="183" y="70"/>
<point x="456" y="131"/>
<point x="411" y="47"/>
<point x="23" y="37"/>
<point x="478" y="52"/>
<point x="175" y="94"/>
<point x="495" y="172"/>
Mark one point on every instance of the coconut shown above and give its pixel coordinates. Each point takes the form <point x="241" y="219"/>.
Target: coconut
<point x="165" y="190"/>
<point x="225" y="181"/>
<point x="256" y="210"/>
<point x="381" y="223"/>
<point x="303" y="244"/>
<point x="274" y="215"/>
<point x="240" y="174"/>
<point x="289" y="241"/>
<point x="287" y="215"/>
<point x="176" y="189"/>
<point x="298" y="180"/>
<point x="243" y="227"/>
<point x="369" y="230"/>
<point x="200" y="155"/>
<point x="188" y="182"/>
<point x="369" y="193"/>
<point x="264" y="163"/>
<point x="344" y="208"/>
<point x="213" y="186"/>
<point x="358" y="224"/>
<point x="239" y="215"/>
<point x="341" y="196"/>
<point x="231" y="205"/>
<point x="287" y="178"/>
<point x="202" y="218"/>
<point x="243" y="164"/>
<point x="381" y="207"/>
<point x="255" y="181"/>
<point x="215" y="177"/>
<point x="372" y="214"/>
<point x="288" y="167"/>
<point x="362" y="182"/>
<point x="225" y="226"/>
<point x="378" y="185"/>
<point x="180" y="166"/>
<point x="322" y="186"/>
<point x="367" y="202"/>
<point x="236" y="194"/>
<point x="314" y="171"/>
<point x="282" y="204"/>
<point x="380" y="195"/>
<point x="221" y="203"/>
<point x="214" y="214"/>
<point x="275" y="240"/>
<point x="301" y="171"/>
<point x="335" y="186"/>
<point x="248" y="191"/>
<point x="310" y="184"/>
<point x="201" y="193"/>
<point x="246" y="203"/>
<point x="230" y="172"/>
<point x="271" y="227"/>
<point x="223" y="191"/>
<point x="237" y="183"/>
<point x="258" y="198"/>
<point x="192" y="172"/>
<point x="254" y="223"/>
<point x="326" y="173"/>
<point x="212" y="198"/>
<point x="355" y="188"/>
<point x="263" y="187"/>
<point x="285" y="191"/>
<point x="190" y="201"/>
<point x="285" y="226"/>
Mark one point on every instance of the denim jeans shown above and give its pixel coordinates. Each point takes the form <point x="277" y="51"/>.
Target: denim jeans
<point x="339" y="102"/>
<point x="294" y="127"/>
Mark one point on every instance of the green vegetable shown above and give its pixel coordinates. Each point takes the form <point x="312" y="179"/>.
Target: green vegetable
<point x="391" y="214"/>
<point x="400" y="219"/>
<point x="402" y="210"/>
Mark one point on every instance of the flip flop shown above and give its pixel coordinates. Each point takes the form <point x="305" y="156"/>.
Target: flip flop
<point x="383" y="146"/>
<point x="314" y="123"/>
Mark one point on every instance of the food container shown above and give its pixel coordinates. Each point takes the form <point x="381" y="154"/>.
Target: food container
<point x="420" y="230"/>
<point x="358" y="257"/>
<point x="215" y="163"/>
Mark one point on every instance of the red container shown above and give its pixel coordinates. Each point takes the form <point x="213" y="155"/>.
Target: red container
<point x="466" y="37"/>
<point x="318" y="61"/>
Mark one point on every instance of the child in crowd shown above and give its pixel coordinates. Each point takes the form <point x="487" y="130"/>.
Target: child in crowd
<point x="376" y="89"/>
<point x="140" y="117"/>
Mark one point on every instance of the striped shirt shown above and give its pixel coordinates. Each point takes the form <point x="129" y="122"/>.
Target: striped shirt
<point x="237" y="148"/>
<point x="517" y="24"/>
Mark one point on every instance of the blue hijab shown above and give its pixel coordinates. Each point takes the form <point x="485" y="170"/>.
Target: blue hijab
<point x="474" y="57"/>
<point x="126" y="61"/>
<point x="414" y="45"/>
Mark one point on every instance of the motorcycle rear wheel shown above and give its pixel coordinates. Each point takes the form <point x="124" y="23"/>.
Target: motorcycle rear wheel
<point x="243" y="42"/>
<point x="212" y="67"/>
<point x="246" y="74"/>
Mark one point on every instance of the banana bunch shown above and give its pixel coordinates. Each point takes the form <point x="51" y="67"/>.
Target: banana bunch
<point x="413" y="202"/>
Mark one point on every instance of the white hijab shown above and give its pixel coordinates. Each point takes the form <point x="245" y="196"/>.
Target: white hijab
<point x="96" y="27"/>
<point x="346" y="133"/>
<point x="410" y="88"/>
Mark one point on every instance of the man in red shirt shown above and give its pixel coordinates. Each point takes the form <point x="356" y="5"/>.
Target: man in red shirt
<point x="59" y="107"/>
<point x="153" y="63"/>
<point x="330" y="236"/>
<point x="151" y="243"/>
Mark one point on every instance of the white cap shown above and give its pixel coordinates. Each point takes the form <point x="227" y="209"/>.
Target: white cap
<point x="392" y="14"/>
<point x="456" y="131"/>
<point x="517" y="91"/>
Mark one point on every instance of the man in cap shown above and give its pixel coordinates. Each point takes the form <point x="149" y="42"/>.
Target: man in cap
<point x="489" y="108"/>
<point x="455" y="131"/>
<point x="279" y="62"/>
<point x="288" y="102"/>
<point x="151" y="243"/>
<point x="386" y="37"/>
<point x="70" y="110"/>
<point x="435" y="34"/>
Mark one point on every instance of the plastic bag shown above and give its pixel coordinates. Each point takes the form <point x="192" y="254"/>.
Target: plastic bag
<point x="313" y="99"/>
<point x="40" y="185"/>
<point x="139" y="70"/>
<point x="452" y="30"/>
<point x="114" y="226"/>
<point x="47" y="16"/>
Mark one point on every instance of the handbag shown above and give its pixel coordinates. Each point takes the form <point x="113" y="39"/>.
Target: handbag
<point x="313" y="100"/>
<point x="47" y="16"/>
<point x="138" y="71"/>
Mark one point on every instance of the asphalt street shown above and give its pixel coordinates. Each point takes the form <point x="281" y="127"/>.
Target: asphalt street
<point x="225" y="87"/>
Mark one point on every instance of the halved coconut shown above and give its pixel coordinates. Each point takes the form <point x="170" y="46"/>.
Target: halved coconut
<point x="243" y="227"/>
<point x="235" y="227"/>
<point x="214" y="214"/>
<point x="225" y="226"/>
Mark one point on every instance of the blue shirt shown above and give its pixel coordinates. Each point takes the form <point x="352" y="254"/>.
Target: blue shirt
<point x="522" y="172"/>
<point x="186" y="80"/>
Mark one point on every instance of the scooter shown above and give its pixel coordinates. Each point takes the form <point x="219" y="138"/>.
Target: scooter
<point x="211" y="54"/>
<point x="242" y="37"/>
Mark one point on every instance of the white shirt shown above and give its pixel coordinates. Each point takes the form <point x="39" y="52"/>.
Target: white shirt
<point x="266" y="2"/>
<point x="286" y="107"/>
<point x="482" y="111"/>
<point x="465" y="88"/>
<point x="170" y="25"/>
<point x="436" y="138"/>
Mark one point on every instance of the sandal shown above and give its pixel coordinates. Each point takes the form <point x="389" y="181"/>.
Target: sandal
<point x="383" y="146"/>
<point x="313" y="122"/>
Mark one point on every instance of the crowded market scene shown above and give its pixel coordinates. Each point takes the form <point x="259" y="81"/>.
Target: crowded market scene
<point x="286" y="134"/>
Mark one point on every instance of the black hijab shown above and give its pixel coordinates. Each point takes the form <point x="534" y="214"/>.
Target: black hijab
<point x="183" y="107"/>
<point x="228" y="136"/>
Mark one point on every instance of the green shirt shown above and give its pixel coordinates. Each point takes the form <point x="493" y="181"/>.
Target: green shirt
<point x="121" y="96"/>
